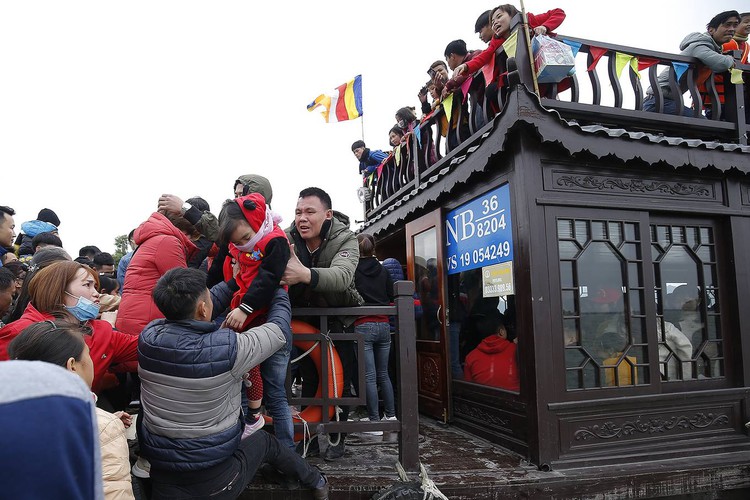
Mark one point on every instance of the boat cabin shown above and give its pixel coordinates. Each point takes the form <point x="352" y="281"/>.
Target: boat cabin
<point x="612" y="241"/>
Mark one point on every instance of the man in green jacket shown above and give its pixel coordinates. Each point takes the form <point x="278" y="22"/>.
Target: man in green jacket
<point x="320" y="273"/>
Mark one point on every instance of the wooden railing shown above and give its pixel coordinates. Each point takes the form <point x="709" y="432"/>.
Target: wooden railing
<point x="407" y="424"/>
<point x="612" y="105"/>
<point x="616" y="105"/>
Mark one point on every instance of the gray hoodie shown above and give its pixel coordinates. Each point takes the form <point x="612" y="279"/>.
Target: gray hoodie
<point x="702" y="46"/>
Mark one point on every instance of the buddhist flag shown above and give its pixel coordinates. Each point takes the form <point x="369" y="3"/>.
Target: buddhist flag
<point x="344" y="104"/>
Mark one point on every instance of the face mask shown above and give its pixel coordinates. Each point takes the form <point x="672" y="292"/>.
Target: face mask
<point x="84" y="310"/>
<point x="402" y="123"/>
<point x="247" y="247"/>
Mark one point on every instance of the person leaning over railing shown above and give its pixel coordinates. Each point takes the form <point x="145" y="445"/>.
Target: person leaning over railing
<point x="501" y="21"/>
<point x="706" y="47"/>
<point x="369" y="159"/>
<point x="483" y="26"/>
<point x="739" y="42"/>
<point x="740" y="38"/>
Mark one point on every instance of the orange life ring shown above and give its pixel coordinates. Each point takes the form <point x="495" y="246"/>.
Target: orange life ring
<point x="314" y="414"/>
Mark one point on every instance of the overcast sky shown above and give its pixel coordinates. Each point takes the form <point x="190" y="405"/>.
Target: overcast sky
<point x="106" y="105"/>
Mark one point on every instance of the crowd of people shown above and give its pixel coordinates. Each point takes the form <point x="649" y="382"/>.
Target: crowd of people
<point x="192" y="327"/>
<point x="199" y="347"/>
<point x="725" y="33"/>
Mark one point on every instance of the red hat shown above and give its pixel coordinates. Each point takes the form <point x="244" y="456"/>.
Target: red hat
<point x="607" y="296"/>
<point x="253" y="207"/>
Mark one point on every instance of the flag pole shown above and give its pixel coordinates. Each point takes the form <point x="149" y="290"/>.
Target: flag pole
<point x="526" y="30"/>
<point x="362" y="116"/>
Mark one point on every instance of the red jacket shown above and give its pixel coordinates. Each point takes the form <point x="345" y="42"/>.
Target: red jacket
<point x="550" y="20"/>
<point x="108" y="346"/>
<point x="260" y="272"/>
<point x="161" y="247"/>
<point x="493" y="363"/>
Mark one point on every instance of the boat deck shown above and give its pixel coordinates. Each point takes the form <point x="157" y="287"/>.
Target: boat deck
<point x="464" y="466"/>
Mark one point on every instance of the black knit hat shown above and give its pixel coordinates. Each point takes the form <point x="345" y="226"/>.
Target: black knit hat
<point x="48" y="215"/>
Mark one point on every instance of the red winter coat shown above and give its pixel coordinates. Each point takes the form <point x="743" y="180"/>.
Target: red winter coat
<point x="493" y="363"/>
<point x="550" y="20"/>
<point x="260" y="272"/>
<point x="108" y="346"/>
<point x="161" y="247"/>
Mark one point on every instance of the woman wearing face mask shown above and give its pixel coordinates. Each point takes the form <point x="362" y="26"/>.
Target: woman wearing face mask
<point x="66" y="291"/>
<point x="406" y="120"/>
<point x="500" y="22"/>
<point x="62" y="344"/>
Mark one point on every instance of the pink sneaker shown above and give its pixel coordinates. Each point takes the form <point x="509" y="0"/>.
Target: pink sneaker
<point x="255" y="426"/>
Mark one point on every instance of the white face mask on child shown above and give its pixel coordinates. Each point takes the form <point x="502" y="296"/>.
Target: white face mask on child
<point x="265" y="228"/>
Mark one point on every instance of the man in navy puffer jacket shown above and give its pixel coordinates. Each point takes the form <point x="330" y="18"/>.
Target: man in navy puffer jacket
<point x="191" y="380"/>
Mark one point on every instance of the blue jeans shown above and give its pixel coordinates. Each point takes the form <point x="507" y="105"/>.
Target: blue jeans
<point x="273" y="371"/>
<point x="670" y="106"/>
<point x="377" y="337"/>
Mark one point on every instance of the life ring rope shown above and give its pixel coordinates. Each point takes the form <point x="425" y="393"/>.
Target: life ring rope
<point x="298" y="358"/>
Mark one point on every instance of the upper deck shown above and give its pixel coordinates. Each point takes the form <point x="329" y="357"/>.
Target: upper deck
<point x="604" y="98"/>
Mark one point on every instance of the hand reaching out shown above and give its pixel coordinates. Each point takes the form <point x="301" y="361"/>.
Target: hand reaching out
<point x="235" y="319"/>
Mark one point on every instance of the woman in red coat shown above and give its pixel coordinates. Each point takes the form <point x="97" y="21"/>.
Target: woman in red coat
<point x="66" y="291"/>
<point x="494" y="361"/>
<point x="162" y="246"/>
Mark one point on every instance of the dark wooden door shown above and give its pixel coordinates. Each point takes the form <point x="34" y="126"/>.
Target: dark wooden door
<point x="424" y="240"/>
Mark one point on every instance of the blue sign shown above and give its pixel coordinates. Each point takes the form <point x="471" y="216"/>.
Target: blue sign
<point x="479" y="233"/>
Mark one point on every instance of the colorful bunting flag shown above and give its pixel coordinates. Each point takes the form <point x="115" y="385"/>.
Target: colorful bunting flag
<point x="646" y="62"/>
<point x="448" y="107"/>
<point x="679" y="68"/>
<point x="509" y="45"/>
<point x="622" y="60"/>
<point x="575" y="46"/>
<point x="344" y="104"/>
<point x="488" y="70"/>
<point x="597" y="53"/>
<point x="465" y="87"/>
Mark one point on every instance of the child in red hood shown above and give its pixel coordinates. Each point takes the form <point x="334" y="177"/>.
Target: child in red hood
<point x="260" y="248"/>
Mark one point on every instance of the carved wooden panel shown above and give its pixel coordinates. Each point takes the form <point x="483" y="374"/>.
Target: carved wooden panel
<point x="429" y="373"/>
<point x="632" y="185"/>
<point x="646" y="426"/>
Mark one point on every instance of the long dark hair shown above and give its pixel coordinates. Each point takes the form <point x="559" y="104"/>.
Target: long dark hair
<point x="52" y="342"/>
<point x="406" y="114"/>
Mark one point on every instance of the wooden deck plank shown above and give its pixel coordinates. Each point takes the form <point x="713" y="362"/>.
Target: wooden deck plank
<point x="464" y="466"/>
